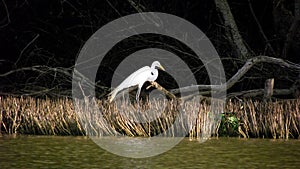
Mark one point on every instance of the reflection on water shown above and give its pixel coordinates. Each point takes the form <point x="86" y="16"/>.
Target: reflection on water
<point x="82" y="152"/>
<point x="137" y="147"/>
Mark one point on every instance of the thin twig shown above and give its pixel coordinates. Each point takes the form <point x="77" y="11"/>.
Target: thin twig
<point x="23" y="50"/>
<point x="7" y="15"/>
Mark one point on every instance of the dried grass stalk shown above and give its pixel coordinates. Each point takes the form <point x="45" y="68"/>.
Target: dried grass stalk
<point x="28" y="115"/>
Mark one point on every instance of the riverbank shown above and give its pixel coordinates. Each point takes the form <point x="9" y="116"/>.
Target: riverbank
<point x="248" y="118"/>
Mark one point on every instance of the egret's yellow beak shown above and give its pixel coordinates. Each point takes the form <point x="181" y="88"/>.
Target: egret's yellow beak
<point x="162" y="68"/>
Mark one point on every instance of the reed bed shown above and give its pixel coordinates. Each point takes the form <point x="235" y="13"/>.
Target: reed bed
<point x="155" y="118"/>
<point x="278" y="119"/>
<point x="28" y="115"/>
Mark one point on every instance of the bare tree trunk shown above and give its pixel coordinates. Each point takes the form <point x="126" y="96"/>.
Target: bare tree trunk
<point x="231" y="30"/>
<point x="283" y="24"/>
<point x="292" y="30"/>
<point x="268" y="44"/>
<point x="297" y="8"/>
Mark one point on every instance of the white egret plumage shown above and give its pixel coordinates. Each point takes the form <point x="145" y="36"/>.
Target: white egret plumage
<point x="138" y="78"/>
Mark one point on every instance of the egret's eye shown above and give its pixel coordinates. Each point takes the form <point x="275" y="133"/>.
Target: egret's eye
<point x="152" y="73"/>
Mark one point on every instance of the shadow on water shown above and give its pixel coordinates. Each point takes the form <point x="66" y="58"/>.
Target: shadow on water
<point x="82" y="152"/>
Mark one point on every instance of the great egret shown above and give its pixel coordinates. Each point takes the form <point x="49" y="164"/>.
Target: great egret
<point x="138" y="77"/>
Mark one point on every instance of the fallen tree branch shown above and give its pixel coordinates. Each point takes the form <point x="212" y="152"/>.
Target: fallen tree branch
<point x="240" y="73"/>
<point x="67" y="72"/>
<point x="166" y="92"/>
<point x="259" y="92"/>
<point x="204" y="89"/>
<point x="38" y="68"/>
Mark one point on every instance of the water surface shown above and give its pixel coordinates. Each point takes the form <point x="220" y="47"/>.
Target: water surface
<point x="82" y="152"/>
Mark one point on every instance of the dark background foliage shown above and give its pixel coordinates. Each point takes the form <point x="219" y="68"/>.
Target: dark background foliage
<point x="52" y="32"/>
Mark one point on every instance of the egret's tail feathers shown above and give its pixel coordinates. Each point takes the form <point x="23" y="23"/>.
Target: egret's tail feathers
<point x="112" y="95"/>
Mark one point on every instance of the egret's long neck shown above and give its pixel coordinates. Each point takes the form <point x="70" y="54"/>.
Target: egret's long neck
<point x="153" y="66"/>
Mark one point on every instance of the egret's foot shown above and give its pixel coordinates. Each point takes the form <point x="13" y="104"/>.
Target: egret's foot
<point x="150" y="86"/>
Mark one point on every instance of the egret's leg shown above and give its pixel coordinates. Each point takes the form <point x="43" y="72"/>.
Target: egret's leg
<point x="137" y="98"/>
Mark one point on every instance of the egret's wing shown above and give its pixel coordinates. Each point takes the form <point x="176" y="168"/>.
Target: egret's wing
<point x="134" y="79"/>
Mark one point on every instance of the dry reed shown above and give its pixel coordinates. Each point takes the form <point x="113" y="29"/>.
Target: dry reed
<point x="28" y="115"/>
